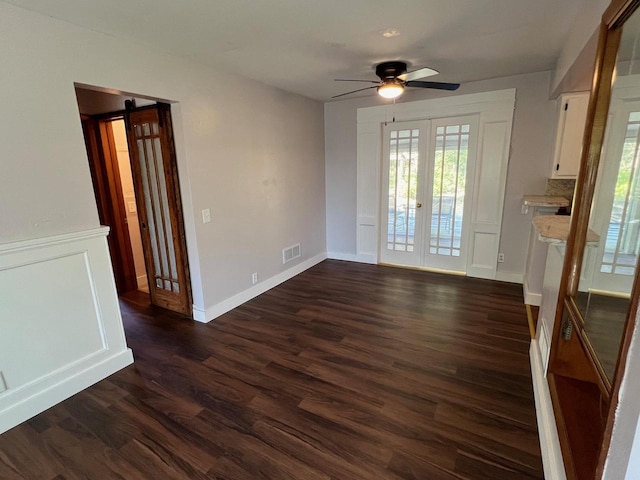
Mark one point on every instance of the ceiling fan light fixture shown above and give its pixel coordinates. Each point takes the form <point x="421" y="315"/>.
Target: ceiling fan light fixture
<point x="391" y="90"/>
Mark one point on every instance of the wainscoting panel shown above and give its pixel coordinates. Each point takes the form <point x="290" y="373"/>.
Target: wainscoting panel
<point x="60" y="319"/>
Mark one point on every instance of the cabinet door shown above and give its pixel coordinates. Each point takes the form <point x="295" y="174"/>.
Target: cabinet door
<point x="573" y="113"/>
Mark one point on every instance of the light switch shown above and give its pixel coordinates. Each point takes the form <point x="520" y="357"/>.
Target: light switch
<point x="206" y="216"/>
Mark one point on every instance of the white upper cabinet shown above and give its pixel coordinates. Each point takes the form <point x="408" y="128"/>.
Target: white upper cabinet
<point x="568" y="148"/>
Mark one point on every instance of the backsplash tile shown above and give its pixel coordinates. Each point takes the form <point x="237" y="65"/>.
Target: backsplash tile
<point x="561" y="187"/>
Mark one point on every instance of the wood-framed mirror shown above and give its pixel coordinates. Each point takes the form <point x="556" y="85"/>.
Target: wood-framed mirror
<point x="599" y="287"/>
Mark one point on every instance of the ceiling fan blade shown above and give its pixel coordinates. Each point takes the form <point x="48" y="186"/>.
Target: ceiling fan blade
<point x="436" y="85"/>
<point x="354" y="91"/>
<point x="416" y="74"/>
<point x="350" y="80"/>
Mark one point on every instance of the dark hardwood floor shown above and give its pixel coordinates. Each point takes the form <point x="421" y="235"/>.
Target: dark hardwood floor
<point x="347" y="371"/>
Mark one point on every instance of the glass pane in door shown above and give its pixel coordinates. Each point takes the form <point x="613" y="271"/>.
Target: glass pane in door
<point x="403" y="183"/>
<point x="152" y="169"/>
<point x="449" y="182"/>
<point x="623" y="231"/>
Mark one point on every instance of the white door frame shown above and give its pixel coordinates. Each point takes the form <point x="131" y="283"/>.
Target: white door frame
<point x="495" y="110"/>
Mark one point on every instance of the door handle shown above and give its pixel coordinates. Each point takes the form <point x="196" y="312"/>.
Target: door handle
<point x="418" y="205"/>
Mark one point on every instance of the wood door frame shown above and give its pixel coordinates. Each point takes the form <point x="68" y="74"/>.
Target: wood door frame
<point x="105" y="176"/>
<point x="583" y="360"/>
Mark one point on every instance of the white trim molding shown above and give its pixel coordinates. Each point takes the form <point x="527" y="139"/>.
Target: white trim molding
<point x="530" y="298"/>
<point x="230" y="303"/>
<point x="495" y="113"/>
<point x="510" y="277"/>
<point x="547" y="430"/>
<point x="349" y="257"/>
<point x="62" y="328"/>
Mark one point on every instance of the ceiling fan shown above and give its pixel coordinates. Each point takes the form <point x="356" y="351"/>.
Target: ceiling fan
<point x="394" y="78"/>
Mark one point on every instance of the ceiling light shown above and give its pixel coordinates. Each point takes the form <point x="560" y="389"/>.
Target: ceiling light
<point x="390" y="90"/>
<point x="390" y="32"/>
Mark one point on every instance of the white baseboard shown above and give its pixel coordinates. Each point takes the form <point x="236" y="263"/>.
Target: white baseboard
<point x="223" y="307"/>
<point x="64" y="386"/>
<point x="349" y="257"/>
<point x="531" y="298"/>
<point x="364" y="258"/>
<point x="199" y="314"/>
<point x="510" y="277"/>
<point x="547" y="430"/>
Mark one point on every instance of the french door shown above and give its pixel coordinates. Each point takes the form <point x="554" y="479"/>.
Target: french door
<point x="619" y="222"/>
<point x="155" y="176"/>
<point x="427" y="184"/>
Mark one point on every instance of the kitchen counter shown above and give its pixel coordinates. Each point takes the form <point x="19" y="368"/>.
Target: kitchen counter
<point x="555" y="229"/>
<point x="545" y="201"/>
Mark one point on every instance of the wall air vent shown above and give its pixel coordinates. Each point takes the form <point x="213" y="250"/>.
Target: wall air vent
<point x="290" y="253"/>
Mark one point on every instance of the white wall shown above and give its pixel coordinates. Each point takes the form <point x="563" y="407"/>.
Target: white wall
<point x="582" y="36"/>
<point x="93" y="102"/>
<point x="251" y="153"/>
<point x="532" y="146"/>
<point x="623" y="460"/>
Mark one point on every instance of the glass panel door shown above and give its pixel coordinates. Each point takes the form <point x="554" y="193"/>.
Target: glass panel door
<point x="450" y="168"/>
<point x="619" y="224"/>
<point x="426" y="189"/>
<point x="402" y="170"/>
<point x="621" y="244"/>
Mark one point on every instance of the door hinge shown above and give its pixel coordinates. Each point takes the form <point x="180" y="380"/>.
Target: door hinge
<point x="557" y="167"/>
<point x="567" y="329"/>
<point x="566" y="106"/>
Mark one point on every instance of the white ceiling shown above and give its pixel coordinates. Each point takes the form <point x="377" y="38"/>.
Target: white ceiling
<point x="302" y="45"/>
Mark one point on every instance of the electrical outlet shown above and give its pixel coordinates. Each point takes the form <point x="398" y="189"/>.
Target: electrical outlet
<point x="254" y="278"/>
<point x="501" y="258"/>
<point x="206" y="216"/>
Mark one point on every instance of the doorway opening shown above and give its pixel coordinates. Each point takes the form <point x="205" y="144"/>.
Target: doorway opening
<point x="116" y="129"/>
<point x="133" y="166"/>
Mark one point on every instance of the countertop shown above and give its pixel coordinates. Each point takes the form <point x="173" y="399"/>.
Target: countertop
<point x="545" y="201"/>
<point x="555" y="229"/>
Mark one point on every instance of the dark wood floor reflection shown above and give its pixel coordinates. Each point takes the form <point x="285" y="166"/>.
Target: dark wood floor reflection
<point x="347" y="371"/>
<point x="605" y="317"/>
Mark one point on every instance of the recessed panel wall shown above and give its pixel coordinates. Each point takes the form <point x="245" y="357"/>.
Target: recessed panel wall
<point x="61" y="328"/>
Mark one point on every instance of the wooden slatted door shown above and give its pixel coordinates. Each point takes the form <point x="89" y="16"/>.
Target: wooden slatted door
<point x="155" y="176"/>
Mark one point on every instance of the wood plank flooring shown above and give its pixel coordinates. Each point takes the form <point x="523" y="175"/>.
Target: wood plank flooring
<point x="347" y="371"/>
